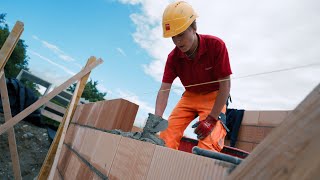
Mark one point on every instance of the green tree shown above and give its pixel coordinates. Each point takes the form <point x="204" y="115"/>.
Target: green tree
<point x="18" y="59"/>
<point x="90" y="92"/>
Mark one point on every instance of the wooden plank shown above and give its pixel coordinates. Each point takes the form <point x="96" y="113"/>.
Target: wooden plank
<point x="10" y="43"/>
<point x="11" y="134"/>
<point x="46" y="167"/>
<point x="61" y="100"/>
<point x="46" y="98"/>
<point x="64" y="130"/>
<point x="51" y="115"/>
<point x="291" y="150"/>
<point x="56" y="107"/>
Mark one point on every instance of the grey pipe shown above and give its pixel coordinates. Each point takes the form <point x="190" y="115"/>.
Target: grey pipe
<point x="215" y="155"/>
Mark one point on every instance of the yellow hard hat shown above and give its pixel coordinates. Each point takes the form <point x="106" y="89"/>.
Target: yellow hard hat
<point x="177" y="17"/>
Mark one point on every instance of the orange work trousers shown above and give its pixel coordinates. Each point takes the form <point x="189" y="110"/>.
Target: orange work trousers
<point x="189" y="106"/>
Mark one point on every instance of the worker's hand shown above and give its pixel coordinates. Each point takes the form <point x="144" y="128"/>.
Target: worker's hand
<point x="205" y="127"/>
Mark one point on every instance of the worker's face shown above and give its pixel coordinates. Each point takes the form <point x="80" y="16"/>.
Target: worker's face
<point x="184" y="40"/>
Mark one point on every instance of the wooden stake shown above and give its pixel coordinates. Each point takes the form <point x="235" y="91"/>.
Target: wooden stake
<point x="52" y="157"/>
<point x="291" y="151"/>
<point x="46" y="98"/>
<point x="11" y="135"/>
<point x="10" y="44"/>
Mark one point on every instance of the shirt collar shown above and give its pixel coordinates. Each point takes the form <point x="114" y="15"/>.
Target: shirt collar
<point x="201" y="50"/>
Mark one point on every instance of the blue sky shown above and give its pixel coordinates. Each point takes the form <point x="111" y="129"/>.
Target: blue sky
<point x="126" y="34"/>
<point x="62" y="35"/>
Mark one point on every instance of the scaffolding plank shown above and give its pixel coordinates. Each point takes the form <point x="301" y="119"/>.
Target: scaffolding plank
<point x="55" y="107"/>
<point x="11" y="134"/>
<point x="51" y="115"/>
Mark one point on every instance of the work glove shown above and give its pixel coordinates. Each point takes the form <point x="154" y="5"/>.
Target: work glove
<point x="205" y="127"/>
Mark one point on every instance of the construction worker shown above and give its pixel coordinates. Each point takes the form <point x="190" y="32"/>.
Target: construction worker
<point x="196" y="59"/>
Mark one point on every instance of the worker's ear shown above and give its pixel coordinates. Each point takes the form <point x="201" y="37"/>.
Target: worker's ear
<point x="193" y="27"/>
<point x="195" y="30"/>
<point x="192" y="30"/>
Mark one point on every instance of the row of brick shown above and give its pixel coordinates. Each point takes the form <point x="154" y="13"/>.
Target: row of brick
<point x="250" y="136"/>
<point x="73" y="167"/>
<point x="256" y="126"/>
<point x="122" y="158"/>
<point x="107" y="115"/>
<point x="264" y="118"/>
<point x="246" y="146"/>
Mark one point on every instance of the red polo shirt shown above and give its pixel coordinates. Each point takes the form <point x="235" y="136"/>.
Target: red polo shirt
<point x="211" y="63"/>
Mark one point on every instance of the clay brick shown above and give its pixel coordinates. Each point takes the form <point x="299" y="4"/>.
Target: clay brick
<point x="84" y="172"/>
<point x="117" y="114"/>
<point x="94" y="113"/>
<point x="85" y="113"/>
<point x="105" y="151"/>
<point x="250" y="118"/>
<point x="78" y="141"/>
<point x="73" y="167"/>
<point x="70" y="136"/>
<point x="64" y="159"/>
<point x="172" y="164"/>
<point x="109" y="115"/>
<point x="272" y="118"/>
<point x="246" y="146"/>
<point x="132" y="160"/>
<point x="77" y="113"/>
<point x="96" y="177"/>
<point x="253" y="134"/>
<point x="89" y="144"/>
<point x="130" y="115"/>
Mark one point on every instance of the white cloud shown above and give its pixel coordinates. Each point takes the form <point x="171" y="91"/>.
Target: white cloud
<point x="65" y="69"/>
<point x="55" y="49"/>
<point x="35" y="37"/>
<point x="102" y="88"/>
<point x="260" y="37"/>
<point x="132" y="2"/>
<point x="121" y="51"/>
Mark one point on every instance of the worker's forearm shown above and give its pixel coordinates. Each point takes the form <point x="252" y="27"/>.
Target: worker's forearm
<point x="221" y="99"/>
<point x="161" y="102"/>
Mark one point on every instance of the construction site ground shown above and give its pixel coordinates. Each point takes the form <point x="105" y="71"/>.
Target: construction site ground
<point x="33" y="146"/>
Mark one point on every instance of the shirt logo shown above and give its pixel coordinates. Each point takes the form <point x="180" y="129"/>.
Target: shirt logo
<point x="208" y="68"/>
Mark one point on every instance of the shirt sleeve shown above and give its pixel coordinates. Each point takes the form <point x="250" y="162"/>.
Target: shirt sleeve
<point x="169" y="73"/>
<point x="222" y="63"/>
